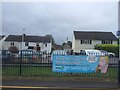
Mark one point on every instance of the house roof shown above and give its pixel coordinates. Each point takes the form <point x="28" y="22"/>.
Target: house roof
<point x="94" y="35"/>
<point x="66" y="46"/>
<point x="2" y="36"/>
<point x="28" y="38"/>
<point x="57" y="47"/>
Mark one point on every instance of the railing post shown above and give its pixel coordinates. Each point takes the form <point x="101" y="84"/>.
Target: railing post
<point x="119" y="73"/>
<point x="20" y="63"/>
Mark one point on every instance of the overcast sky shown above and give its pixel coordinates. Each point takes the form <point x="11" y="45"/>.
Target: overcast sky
<point x="59" y="19"/>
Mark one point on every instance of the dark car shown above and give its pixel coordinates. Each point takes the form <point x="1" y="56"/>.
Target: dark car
<point x="27" y="56"/>
<point x="6" y="56"/>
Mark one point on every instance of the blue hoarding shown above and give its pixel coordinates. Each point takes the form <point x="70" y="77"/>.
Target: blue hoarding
<point x="76" y="64"/>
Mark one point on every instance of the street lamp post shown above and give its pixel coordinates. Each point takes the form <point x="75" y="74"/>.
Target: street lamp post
<point x="22" y="44"/>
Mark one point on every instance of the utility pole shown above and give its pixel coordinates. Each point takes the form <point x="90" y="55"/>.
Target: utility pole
<point x="23" y="38"/>
<point x="118" y="34"/>
<point x="67" y="39"/>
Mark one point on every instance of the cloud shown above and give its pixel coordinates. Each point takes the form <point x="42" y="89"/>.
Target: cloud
<point x="58" y="19"/>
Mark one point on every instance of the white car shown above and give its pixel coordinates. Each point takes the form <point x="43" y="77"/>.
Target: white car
<point x="106" y="53"/>
<point x="91" y="52"/>
<point x="59" y="52"/>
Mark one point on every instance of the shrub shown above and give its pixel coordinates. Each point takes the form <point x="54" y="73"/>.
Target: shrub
<point x="108" y="47"/>
<point x="13" y="49"/>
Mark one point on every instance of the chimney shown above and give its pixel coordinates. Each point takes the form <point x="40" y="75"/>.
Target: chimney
<point x="23" y="37"/>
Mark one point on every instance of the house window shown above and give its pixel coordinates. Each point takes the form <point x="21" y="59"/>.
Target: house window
<point x="30" y="47"/>
<point x="26" y="44"/>
<point x="37" y="44"/>
<point x="12" y="44"/>
<point x="86" y="41"/>
<point x="46" y="45"/>
<point x="106" y="42"/>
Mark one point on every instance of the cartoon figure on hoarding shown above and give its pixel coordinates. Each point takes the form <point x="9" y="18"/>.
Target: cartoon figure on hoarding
<point x="91" y="59"/>
<point x="103" y="64"/>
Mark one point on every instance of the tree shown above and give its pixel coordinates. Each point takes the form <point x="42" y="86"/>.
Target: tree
<point x="13" y="49"/>
<point x="63" y="44"/>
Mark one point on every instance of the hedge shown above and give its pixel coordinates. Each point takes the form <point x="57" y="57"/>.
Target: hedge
<point x="114" y="48"/>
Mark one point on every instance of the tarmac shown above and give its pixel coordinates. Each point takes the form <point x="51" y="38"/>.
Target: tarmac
<point x="60" y="85"/>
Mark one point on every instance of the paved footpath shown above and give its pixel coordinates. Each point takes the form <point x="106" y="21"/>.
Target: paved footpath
<point x="57" y="84"/>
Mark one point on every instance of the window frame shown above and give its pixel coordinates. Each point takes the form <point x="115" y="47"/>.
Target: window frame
<point x="12" y="43"/>
<point x="37" y="44"/>
<point x="45" y="44"/>
<point x="86" y="42"/>
<point x="107" y="42"/>
<point x="26" y="43"/>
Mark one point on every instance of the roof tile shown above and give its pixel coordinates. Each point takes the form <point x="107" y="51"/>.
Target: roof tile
<point x="94" y="35"/>
<point x="28" y="38"/>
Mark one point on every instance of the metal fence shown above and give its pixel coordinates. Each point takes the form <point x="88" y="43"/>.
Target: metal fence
<point x="40" y="65"/>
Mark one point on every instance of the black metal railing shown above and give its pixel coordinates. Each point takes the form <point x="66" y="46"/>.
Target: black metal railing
<point x="28" y="63"/>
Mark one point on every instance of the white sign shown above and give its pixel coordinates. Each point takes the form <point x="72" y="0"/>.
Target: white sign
<point x="118" y="33"/>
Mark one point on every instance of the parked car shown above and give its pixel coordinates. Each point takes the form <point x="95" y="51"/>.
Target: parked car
<point x="42" y="54"/>
<point x="59" y="52"/>
<point x="91" y="52"/>
<point x="6" y="56"/>
<point x="27" y="56"/>
<point x="106" y="53"/>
